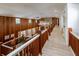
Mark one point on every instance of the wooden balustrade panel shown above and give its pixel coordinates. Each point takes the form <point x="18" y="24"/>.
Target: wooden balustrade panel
<point x="35" y="48"/>
<point x="71" y="41"/>
<point x="30" y="49"/>
<point x="70" y="38"/>
<point x="40" y="46"/>
<point x="24" y="52"/>
<point x="74" y="43"/>
<point x="77" y="47"/>
<point x="43" y="38"/>
<point x="46" y="35"/>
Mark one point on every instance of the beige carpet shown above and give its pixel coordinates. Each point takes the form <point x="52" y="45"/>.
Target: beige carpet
<point x="56" y="46"/>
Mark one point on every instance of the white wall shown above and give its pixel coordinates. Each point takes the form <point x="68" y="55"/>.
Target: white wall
<point x="73" y="17"/>
<point x="63" y="24"/>
<point x="71" y="20"/>
<point x="66" y="25"/>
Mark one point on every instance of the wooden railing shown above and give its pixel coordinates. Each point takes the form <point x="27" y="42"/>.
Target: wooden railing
<point x="74" y="42"/>
<point x="26" y="48"/>
<point x="51" y="28"/>
<point x="33" y="47"/>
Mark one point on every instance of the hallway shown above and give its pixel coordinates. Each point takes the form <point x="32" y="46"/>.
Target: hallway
<point x="56" y="46"/>
<point x="25" y="29"/>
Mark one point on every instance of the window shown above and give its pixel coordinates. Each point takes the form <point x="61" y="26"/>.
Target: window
<point x="36" y="21"/>
<point x="30" y="21"/>
<point x="6" y="37"/>
<point x="17" y="21"/>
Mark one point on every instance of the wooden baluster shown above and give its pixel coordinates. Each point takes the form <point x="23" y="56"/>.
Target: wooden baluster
<point x="18" y="54"/>
<point x="24" y="52"/>
<point x="27" y="51"/>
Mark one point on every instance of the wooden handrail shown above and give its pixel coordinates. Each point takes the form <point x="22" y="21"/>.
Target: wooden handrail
<point x="76" y="36"/>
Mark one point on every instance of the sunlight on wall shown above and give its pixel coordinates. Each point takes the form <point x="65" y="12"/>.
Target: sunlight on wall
<point x="73" y="17"/>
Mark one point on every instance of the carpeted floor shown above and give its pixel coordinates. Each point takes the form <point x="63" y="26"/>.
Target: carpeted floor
<point x="56" y="45"/>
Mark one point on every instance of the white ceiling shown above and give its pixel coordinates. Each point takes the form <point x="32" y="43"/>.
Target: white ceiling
<point x="31" y="9"/>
